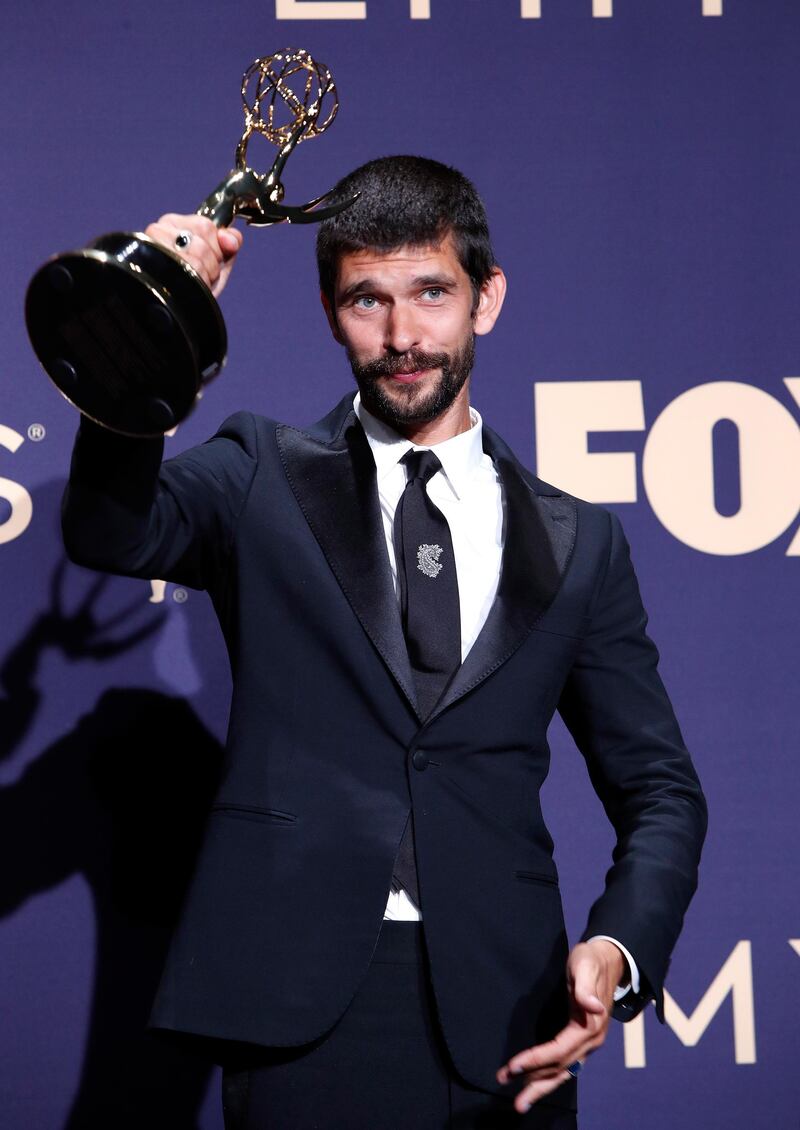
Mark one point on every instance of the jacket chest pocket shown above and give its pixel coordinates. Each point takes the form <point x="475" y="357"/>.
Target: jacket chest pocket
<point x="253" y="812"/>
<point x="542" y="878"/>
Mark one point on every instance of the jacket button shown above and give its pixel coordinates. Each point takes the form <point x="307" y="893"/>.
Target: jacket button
<point x="420" y="759"/>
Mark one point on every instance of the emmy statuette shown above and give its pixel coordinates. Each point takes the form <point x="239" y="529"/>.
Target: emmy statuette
<point x="125" y="328"/>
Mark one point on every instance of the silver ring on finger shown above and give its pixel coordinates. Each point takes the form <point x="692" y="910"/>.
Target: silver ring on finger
<point x="574" y="1069"/>
<point x="183" y="239"/>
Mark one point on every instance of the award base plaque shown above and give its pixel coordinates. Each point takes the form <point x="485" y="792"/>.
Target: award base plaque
<point x="127" y="331"/>
<point x="125" y="328"/>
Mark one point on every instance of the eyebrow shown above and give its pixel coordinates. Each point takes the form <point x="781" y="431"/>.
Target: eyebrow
<point x="442" y="280"/>
<point x="362" y="286"/>
<point x="420" y="282"/>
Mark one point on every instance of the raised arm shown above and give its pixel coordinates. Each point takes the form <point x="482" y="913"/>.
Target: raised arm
<point x="126" y="512"/>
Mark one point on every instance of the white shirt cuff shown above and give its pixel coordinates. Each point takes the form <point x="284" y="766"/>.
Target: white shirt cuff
<point x="633" y="968"/>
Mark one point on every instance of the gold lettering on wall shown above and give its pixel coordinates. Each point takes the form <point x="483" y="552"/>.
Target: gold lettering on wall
<point x="157" y="590"/>
<point x="678" y="468"/>
<point x="793" y="385"/>
<point x="320" y="10"/>
<point x="15" y="494"/>
<point x="421" y="9"/>
<point x="566" y="412"/>
<point x="735" y="979"/>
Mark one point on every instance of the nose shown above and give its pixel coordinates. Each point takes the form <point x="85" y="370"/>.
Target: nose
<point x="400" y="330"/>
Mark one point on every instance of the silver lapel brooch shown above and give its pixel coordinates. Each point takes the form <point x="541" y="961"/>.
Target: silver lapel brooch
<point x="428" y="560"/>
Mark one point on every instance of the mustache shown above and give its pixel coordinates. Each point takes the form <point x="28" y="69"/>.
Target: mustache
<point x="390" y="364"/>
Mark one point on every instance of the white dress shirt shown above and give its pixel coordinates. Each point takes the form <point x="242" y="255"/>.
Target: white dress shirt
<point x="468" y="492"/>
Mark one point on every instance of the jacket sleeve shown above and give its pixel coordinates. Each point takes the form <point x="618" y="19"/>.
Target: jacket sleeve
<point x="616" y="707"/>
<point x="125" y="512"/>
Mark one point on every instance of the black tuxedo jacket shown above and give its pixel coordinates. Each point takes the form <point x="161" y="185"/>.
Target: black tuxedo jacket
<point x="326" y="750"/>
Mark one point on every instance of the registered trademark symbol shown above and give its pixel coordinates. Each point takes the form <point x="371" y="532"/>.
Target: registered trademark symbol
<point x="36" y="432"/>
<point x="180" y="596"/>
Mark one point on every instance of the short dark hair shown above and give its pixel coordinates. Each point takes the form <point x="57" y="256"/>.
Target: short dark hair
<point x="406" y="201"/>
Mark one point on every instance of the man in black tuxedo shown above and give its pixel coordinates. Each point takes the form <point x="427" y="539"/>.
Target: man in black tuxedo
<point x="374" y="931"/>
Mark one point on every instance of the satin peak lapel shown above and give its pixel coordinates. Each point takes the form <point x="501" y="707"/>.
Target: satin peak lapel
<point x="332" y="475"/>
<point x="541" y="525"/>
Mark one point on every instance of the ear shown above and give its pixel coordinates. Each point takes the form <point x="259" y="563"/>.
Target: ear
<point x="330" y="314"/>
<point x="490" y="302"/>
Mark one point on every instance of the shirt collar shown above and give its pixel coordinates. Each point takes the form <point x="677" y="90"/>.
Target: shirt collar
<point x="460" y="455"/>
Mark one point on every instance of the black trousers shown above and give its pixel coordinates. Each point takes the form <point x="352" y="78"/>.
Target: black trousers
<point x="384" y="1065"/>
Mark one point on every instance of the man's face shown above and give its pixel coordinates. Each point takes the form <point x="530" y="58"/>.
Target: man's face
<point x="406" y="319"/>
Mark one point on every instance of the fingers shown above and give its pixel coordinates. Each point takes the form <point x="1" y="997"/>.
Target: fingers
<point x="544" y="1061"/>
<point x="210" y="250"/>
<point x="588" y="981"/>
<point x="230" y="240"/>
<point x="202" y="252"/>
<point x="543" y="1068"/>
<point x="535" y="1091"/>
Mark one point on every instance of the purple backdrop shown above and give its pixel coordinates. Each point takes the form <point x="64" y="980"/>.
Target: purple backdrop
<point x="640" y="163"/>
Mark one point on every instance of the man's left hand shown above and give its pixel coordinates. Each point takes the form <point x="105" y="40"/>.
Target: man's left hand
<point x="594" y="970"/>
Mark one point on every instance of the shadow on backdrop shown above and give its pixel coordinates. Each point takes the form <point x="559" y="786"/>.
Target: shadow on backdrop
<point x="121" y="799"/>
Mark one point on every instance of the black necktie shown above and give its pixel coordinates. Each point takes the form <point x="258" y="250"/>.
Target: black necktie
<point x="428" y="585"/>
<point x="426" y="574"/>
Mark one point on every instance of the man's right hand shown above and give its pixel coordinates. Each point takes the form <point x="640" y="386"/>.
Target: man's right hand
<point x="211" y="250"/>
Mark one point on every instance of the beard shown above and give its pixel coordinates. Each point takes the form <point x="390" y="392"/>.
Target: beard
<point x="399" y="405"/>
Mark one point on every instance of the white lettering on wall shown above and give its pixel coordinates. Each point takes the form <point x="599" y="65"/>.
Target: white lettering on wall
<point x="420" y="9"/>
<point x="712" y="7"/>
<point x="15" y="495"/>
<point x="795" y="944"/>
<point x="320" y="10"/>
<point x="678" y="468"/>
<point x="566" y="411"/>
<point x="735" y="979"/>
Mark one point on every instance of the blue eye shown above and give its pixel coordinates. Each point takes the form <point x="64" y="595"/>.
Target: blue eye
<point x="366" y="302"/>
<point x="434" y="292"/>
